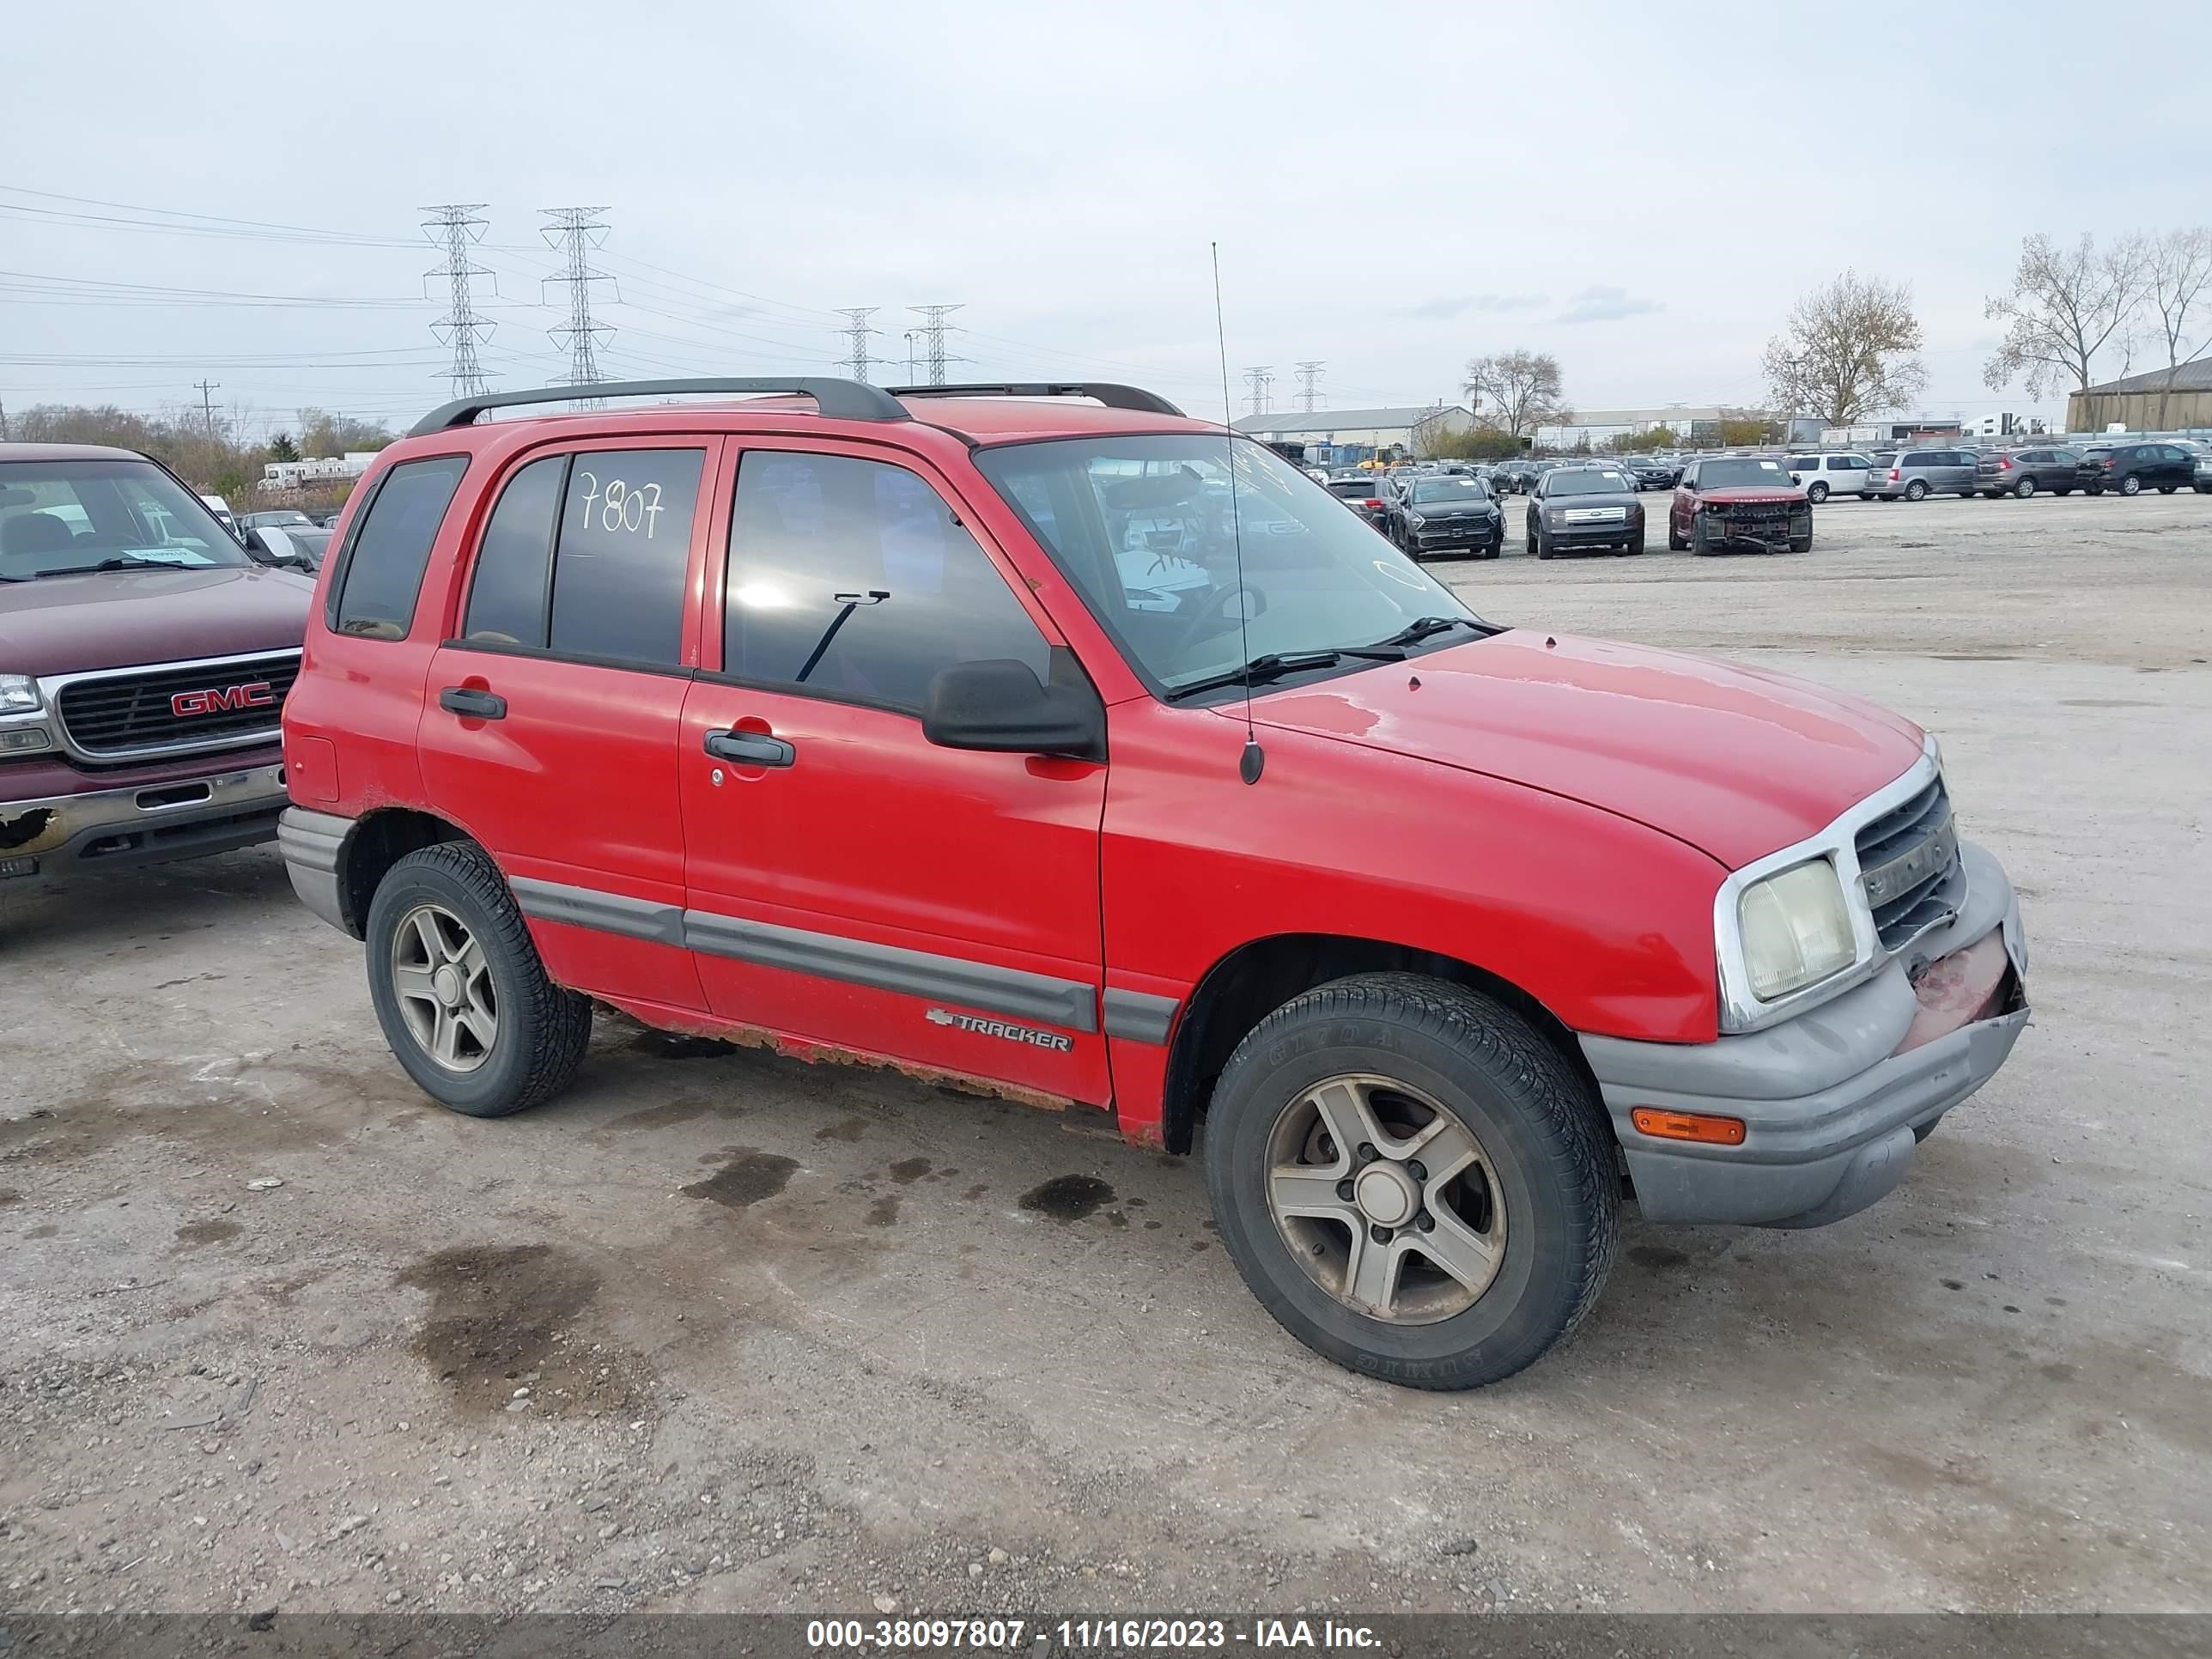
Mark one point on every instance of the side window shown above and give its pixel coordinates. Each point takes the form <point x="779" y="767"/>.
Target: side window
<point x="854" y="579"/>
<point x="374" y="595"/>
<point x="1848" y="463"/>
<point x="624" y="547"/>
<point x="507" y="593"/>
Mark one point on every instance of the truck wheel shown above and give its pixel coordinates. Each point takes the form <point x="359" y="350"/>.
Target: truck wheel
<point x="2024" y="488"/>
<point x="460" y="993"/>
<point x="1817" y="491"/>
<point x="1412" y="1180"/>
<point x="1917" y="490"/>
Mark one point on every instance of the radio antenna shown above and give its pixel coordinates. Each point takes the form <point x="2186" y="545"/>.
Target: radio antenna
<point x="1250" y="763"/>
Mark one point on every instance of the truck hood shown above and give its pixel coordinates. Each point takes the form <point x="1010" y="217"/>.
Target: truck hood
<point x="1736" y="761"/>
<point x="1728" y="493"/>
<point x="121" y="618"/>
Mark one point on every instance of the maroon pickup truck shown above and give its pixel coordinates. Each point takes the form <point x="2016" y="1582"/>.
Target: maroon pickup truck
<point x="144" y="658"/>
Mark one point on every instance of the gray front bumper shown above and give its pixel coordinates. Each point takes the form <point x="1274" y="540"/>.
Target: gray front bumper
<point x="1829" y="1106"/>
<point x="63" y="835"/>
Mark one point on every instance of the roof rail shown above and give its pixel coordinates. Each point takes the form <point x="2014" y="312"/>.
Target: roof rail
<point x="1106" y="391"/>
<point x="837" y="400"/>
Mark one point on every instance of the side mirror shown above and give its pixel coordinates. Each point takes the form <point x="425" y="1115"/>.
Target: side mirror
<point x="1000" y="707"/>
<point x="265" y="545"/>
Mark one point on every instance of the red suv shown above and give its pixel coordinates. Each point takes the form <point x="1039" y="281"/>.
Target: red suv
<point x="1085" y="753"/>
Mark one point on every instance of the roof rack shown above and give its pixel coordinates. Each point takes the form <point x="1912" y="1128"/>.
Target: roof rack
<point x="1106" y="391"/>
<point x="838" y="400"/>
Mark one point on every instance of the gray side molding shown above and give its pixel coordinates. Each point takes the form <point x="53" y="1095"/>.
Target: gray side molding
<point x="607" y="913"/>
<point x="1139" y="1017"/>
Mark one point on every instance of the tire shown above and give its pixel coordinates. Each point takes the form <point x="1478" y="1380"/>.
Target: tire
<point x="1917" y="490"/>
<point x="2168" y="489"/>
<point x="1817" y="491"/>
<point x="2024" y="488"/>
<point x="1674" y="542"/>
<point x="2204" y="490"/>
<point x="2095" y="490"/>
<point x="1801" y="544"/>
<point x="1548" y="1196"/>
<point x="539" y="1029"/>
<point x="2131" y="485"/>
<point x="1699" y="542"/>
<point x="2061" y="490"/>
<point x="1635" y="548"/>
<point x="1537" y="542"/>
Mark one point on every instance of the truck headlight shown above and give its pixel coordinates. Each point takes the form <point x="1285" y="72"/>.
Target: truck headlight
<point x="1796" y="930"/>
<point x="19" y="694"/>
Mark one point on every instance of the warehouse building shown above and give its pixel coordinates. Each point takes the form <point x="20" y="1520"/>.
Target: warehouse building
<point x="2163" y="400"/>
<point x="1326" y="431"/>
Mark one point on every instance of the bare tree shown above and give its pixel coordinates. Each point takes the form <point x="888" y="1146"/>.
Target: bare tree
<point x="2065" y="304"/>
<point x="2177" y="282"/>
<point x="1517" y="391"/>
<point x="1848" y="351"/>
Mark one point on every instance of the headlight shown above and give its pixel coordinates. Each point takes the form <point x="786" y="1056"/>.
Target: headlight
<point x="19" y="694"/>
<point x="1415" y="519"/>
<point x="1796" y="929"/>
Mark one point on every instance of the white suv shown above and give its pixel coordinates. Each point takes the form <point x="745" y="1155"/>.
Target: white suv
<point x="1823" y="476"/>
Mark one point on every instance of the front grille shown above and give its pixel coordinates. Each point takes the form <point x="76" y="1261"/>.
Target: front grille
<point x="1909" y="865"/>
<point x="1743" y="512"/>
<point x="134" y="710"/>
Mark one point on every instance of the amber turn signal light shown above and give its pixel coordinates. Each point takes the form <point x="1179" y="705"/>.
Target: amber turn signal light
<point x="1687" y="1126"/>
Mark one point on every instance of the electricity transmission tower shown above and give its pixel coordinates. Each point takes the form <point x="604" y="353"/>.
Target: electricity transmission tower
<point x="455" y="228"/>
<point x="575" y="231"/>
<point x="856" y="332"/>
<point x="1259" y="377"/>
<point x="933" y="334"/>
<point x="1309" y="384"/>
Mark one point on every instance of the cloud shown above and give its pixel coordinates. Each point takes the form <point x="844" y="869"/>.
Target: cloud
<point x="1444" y="310"/>
<point x="1604" y="305"/>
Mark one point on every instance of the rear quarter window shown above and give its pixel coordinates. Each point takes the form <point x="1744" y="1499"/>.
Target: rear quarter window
<point x="374" y="594"/>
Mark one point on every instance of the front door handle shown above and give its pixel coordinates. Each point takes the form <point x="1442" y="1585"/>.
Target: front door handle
<point x="749" y="749"/>
<point x="472" y="703"/>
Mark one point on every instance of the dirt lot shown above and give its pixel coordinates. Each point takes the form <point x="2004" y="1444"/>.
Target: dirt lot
<point x="805" y="1339"/>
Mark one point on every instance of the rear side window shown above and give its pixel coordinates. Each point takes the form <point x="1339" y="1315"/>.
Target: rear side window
<point x="624" y="547"/>
<point x="854" y="579"/>
<point x="507" y="596"/>
<point x="1804" y="463"/>
<point x="375" y="593"/>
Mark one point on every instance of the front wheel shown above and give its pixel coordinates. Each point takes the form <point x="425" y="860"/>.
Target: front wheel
<point x="1537" y="542"/>
<point x="459" y="990"/>
<point x="1411" y="1180"/>
<point x="2168" y="489"/>
<point x="1635" y="547"/>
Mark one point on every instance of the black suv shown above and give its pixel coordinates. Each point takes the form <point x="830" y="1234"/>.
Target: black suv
<point x="1436" y="512"/>
<point x="1650" y="473"/>
<point x="2131" y="469"/>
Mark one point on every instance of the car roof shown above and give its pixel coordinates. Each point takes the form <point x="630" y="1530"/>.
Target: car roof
<point x="67" y="452"/>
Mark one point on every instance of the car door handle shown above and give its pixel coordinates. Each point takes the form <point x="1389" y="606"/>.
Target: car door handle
<point x="472" y="704"/>
<point x="749" y="749"/>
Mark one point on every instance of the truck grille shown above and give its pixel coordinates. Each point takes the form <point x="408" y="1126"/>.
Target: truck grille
<point x="134" y="711"/>
<point x="1909" y="865"/>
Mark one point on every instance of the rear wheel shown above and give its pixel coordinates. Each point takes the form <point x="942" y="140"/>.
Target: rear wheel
<point x="2024" y="488"/>
<point x="2131" y="485"/>
<point x="1817" y="491"/>
<point x="1674" y="542"/>
<point x="459" y="990"/>
<point x="1411" y="1180"/>
<point x="1917" y="490"/>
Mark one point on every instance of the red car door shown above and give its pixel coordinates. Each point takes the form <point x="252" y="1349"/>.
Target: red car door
<point x="849" y="883"/>
<point x="550" y="727"/>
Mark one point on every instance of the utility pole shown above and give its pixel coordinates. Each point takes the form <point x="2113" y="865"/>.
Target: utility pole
<point x="206" y="389"/>
<point x="577" y="231"/>
<point x="912" y="335"/>
<point x="856" y="332"/>
<point x="1259" y="377"/>
<point x="455" y="228"/>
<point x="932" y="332"/>
<point x="1309" y="384"/>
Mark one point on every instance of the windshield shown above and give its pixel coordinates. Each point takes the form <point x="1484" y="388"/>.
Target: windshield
<point x="64" y="516"/>
<point x="1731" y="475"/>
<point x="1144" y="527"/>
<point x="1584" y="482"/>
<point x="1450" y="490"/>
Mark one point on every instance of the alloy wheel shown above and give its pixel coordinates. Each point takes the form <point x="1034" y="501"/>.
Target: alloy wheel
<point x="1386" y="1198"/>
<point x="444" y="988"/>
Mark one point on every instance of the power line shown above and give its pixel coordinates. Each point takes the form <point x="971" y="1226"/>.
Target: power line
<point x="856" y="333"/>
<point x="932" y="335"/>
<point x="207" y="402"/>
<point x="577" y="231"/>
<point x="456" y="228"/>
<point x="1259" y="377"/>
<point x="1310" y="384"/>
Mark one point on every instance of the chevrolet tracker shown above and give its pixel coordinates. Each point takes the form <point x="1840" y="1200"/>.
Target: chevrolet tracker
<point x="1041" y="738"/>
<point x="145" y="657"/>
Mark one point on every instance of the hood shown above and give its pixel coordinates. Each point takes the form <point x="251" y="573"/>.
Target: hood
<point x="1726" y="493"/>
<point x="119" y="618"/>
<point x="1736" y="761"/>
<point x="1593" y="498"/>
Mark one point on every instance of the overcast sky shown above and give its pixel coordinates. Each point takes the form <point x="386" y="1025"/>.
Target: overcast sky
<point x="1641" y="190"/>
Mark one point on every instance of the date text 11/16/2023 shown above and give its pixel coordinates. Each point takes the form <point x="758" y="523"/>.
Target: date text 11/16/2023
<point x="1084" y="1635"/>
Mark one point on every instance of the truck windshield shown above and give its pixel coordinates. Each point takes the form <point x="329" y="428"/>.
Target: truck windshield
<point x="61" y="517"/>
<point x="1145" y="527"/>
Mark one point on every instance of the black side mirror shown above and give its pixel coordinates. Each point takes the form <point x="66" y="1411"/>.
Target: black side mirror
<point x="1000" y="705"/>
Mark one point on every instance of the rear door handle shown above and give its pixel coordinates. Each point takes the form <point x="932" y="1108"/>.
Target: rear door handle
<point x="749" y="749"/>
<point x="468" y="701"/>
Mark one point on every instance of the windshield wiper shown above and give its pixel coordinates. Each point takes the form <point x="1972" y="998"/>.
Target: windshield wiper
<point x="121" y="562"/>
<point x="1261" y="670"/>
<point x="1422" y="628"/>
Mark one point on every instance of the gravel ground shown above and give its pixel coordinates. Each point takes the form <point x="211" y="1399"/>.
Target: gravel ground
<point x="721" y="1331"/>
